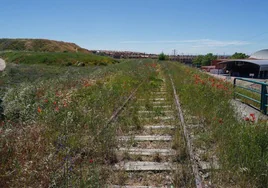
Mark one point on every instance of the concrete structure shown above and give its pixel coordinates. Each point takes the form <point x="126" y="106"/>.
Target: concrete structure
<point x="2" y="65"/>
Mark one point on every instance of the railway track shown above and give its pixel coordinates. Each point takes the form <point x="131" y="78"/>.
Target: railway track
<point x="161" y="153"/>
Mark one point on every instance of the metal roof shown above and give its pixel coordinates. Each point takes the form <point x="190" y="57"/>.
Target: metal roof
<point x="262" y="63"/>
<point x="262" y="54"/>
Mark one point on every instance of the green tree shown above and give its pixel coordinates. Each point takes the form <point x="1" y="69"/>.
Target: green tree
<point x="198" y="59"/>
<point x="162" y="57"/>
<point x="204" y="60"/>
<point x="237" y="55"/>
<point x="208" y="59"/>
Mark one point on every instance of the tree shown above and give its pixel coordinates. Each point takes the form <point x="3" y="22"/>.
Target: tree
<point x="204" y="60"/>
<point x="237" y="55"/>
<point x="208" y="59"/>
<point x="198" y="59"/>
<point x="162" y="57"/>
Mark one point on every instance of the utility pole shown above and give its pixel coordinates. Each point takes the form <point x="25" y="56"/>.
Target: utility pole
<point x="174" y="52"/>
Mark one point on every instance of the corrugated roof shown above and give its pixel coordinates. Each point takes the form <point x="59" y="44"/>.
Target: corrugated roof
<point x="262" y="63"/>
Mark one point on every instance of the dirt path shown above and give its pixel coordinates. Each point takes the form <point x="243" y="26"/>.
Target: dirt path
<point x="2" y="65"/>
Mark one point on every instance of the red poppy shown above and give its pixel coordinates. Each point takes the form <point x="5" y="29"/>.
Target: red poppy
<point x="253" y="117"/>
<point x="91" y="161"/>
<point x="57" y="109"/>
<point x="39" y="110"/>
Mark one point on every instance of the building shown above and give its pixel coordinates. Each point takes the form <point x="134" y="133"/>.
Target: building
<point x="256" y="66"/>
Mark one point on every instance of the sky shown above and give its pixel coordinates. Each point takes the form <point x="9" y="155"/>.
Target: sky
<point x="150" y="26"/>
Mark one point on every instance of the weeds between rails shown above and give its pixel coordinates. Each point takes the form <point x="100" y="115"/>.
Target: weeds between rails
<point x="131" y="123"/>
<point x="49" y="123"/>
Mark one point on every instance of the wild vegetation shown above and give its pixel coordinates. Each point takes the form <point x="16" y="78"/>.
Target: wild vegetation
<point x="52" y="131"/>
<point x="56" y="58"/>
<point x="242" y="146"/>
<point x="162" y="57"/>
<point x="55" y="133"/>
<point x="39" y="45"/>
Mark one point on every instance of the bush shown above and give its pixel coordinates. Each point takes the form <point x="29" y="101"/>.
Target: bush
<point x="162" y="57"/>
<point x="242" y="146"/>
<point x="55" y="58"/>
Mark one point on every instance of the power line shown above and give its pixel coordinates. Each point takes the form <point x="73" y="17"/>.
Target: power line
<point x="250" y="38"/>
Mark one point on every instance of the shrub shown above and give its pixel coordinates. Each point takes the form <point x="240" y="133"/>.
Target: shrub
<point x="162" y="57"/>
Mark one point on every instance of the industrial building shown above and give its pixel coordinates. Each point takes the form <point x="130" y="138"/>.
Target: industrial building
<point x="256" y="66"/>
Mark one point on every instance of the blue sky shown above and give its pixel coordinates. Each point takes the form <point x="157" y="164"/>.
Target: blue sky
<point x="151" y="26"/>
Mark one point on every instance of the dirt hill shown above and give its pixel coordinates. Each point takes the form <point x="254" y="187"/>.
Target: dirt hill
<point x="39" y="45"/>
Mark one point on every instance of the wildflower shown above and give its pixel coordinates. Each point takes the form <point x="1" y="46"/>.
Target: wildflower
<point x="39" y="110"/>
<point x="57" y="109"/>
<point x="220" y="121"/>
<point x="46" y="101"/>
<point x="91" y="161"/>
<point x="54" y="102"/>
<point x="87" y="84"/>
<point x="252" y="117"/>
<point x="246" y="119"/>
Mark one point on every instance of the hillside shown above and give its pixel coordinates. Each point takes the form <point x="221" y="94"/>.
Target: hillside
<point x="39" y="45"/>
<point x="56" y="58"/>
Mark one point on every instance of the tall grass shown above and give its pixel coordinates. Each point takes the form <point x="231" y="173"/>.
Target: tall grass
<point x="242" y="147"/>
<point x="51" y="134"/>
<point x="56" y="58"/>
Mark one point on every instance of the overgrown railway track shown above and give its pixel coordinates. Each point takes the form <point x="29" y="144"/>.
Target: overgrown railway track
<point x="197" y="176"/>
<point x="159" y="153"/>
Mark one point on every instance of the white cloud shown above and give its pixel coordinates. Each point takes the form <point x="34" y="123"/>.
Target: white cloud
<point x="197" y="43"/>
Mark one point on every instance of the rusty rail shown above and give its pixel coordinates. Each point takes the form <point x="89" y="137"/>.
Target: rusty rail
<point x="198" y="179"/>
<point x="117" y="112"/>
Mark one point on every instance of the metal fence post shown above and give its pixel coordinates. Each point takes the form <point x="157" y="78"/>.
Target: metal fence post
<point x="234" y="86"/>
<point x="263" y="98"/>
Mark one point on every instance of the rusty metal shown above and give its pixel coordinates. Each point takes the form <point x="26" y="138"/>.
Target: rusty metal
<point x="198" y="179"/>
<point x="117" y="112"/>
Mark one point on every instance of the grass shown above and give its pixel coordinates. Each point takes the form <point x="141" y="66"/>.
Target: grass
<point x="52" y="131"/>
<point x="126" y="125"/>
<point x="241" y="146"/>
<point x="56" y="58"/>
<point x="39" y="45"/>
